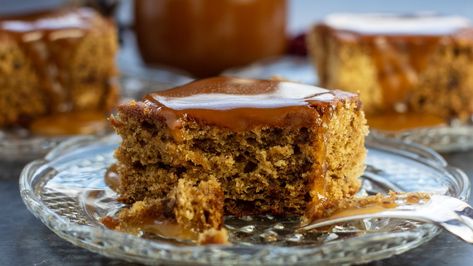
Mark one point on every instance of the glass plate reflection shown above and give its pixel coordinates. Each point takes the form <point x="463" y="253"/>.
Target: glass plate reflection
<point x="67" y="193"/>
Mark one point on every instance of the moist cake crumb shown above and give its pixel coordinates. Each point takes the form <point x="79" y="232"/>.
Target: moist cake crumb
<point x="229" y="146"/>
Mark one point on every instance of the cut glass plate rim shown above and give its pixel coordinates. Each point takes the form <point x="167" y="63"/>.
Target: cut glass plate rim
<point x="25" y="149"/>
<point x="131" y="248"/>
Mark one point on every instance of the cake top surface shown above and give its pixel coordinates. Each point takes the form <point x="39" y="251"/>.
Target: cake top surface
<point x="397" y="24"/>
<point x="242" y="104"/>
<point x="225" y="93"/>
<point x="60" y="19"/>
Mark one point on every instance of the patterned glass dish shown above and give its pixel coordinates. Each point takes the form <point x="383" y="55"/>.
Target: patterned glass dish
<point x="449" y="138"/>
<point x="18" y="146"/>
<point x="66" y="191"/>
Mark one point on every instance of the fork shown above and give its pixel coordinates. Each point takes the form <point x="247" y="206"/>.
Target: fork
<point x="452" y="214"/>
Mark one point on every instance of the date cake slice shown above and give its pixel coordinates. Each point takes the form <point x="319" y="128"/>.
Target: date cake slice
<point x="55" y="62"/>
<point x="231" y="146"/>
<point x="419" y="64"/>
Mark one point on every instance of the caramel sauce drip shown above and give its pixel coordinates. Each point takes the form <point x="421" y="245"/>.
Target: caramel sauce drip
<point x="110" y="222"/>
<point x="401" y="47"/>
<point x="64" y="124"/>
<point x="319" y="182"/>
<point x="112" y="178"/>
<point x="399" y="60"/>
<point x="152" y="228"/>
<point x="244" y="104"/>
<point x="403" y="121"/>
<point x="43" y="37"/>
<point x="169" y="230"/>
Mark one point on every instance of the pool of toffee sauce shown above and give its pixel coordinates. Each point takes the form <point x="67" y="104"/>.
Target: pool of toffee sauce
<point x="393" y="122"/>
<point x="64" y="124"/>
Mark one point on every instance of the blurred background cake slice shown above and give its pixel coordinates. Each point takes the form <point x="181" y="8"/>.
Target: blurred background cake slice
<point x="399" y="64"/>
<point x="56" y="61"/>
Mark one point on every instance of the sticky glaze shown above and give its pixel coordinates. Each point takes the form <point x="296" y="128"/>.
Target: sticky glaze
<point x="403" y="121"/>
<point x="243" y="104"/>
<point x="70" y="123"/>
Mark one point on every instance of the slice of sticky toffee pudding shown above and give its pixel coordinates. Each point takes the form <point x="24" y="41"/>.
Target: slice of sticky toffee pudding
<point x="228" y="146"/>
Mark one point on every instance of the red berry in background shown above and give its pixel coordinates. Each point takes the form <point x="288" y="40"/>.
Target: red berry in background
<point x="297" y="46"/>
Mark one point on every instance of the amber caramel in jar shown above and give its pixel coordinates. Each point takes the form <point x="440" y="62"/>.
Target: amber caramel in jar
<point x="205" y="37"/>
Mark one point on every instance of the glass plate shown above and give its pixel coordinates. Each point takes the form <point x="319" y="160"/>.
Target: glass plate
<point x="455" y="137"/>
<point x="67" y="193"/>
<point x="18" y="147"/>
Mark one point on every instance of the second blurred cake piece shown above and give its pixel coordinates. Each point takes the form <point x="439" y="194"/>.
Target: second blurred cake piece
<point x="56" y="62"/>
<point x="400" y="64"/>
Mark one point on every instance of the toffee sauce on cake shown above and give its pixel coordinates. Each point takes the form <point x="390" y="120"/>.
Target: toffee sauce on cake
<point x="153" y="229"/>
<point x="243" y="104"/>
<point x="112" y="178"/>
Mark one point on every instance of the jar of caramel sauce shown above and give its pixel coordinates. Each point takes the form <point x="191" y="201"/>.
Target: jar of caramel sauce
<point x="205" y="37"/>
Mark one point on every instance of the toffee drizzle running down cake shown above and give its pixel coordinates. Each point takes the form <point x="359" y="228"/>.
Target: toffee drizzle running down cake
<point x="56" y="61"/>
<point x="229" y="146"/>
<point x="399" y="64"/>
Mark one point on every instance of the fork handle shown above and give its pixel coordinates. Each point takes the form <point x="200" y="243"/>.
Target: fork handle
<point x="467" y="216"/>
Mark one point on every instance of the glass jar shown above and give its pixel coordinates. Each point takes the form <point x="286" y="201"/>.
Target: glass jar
<point x="205" y="37"/>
